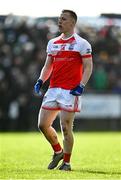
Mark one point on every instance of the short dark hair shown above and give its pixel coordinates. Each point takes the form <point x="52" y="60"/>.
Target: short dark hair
<point x="72" y="13"/>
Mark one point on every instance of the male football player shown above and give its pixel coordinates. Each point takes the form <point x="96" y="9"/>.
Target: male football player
<point x="69" y="66"/>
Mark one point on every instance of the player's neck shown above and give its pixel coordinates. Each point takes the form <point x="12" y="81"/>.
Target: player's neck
<point x="67" y="35"/>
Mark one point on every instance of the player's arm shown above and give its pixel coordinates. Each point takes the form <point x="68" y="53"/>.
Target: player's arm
<point x="85" y="52"/>
<point x="45" y="73"/>
<point x="87" y="70"/>
<point x="47" y="69"/>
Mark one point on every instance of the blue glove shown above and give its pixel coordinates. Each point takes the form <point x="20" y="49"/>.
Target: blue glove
<point x="78" y="90"/>
<point x="38" y="86"/>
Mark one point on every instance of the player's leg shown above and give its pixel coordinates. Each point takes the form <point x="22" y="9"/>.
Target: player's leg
<point x="66" y="121"/>
<point x="45" y="121"/>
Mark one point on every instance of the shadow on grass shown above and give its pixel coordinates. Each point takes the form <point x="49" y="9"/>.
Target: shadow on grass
<point x="97" y="172"/>
<point x="45" y="171"/>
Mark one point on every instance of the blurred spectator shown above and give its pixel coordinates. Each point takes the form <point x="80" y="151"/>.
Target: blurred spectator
<point x="100" y="79"/>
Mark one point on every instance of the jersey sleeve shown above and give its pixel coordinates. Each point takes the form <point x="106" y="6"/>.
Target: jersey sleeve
<point x="48" y="50"/>
<point x="86" y="49"/>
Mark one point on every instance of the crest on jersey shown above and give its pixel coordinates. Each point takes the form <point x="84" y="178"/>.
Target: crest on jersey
<point x="63" y="47"/>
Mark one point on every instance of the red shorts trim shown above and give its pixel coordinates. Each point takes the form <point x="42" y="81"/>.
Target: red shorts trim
<point x="58" y="109"/>
<point x="48" y="108"/>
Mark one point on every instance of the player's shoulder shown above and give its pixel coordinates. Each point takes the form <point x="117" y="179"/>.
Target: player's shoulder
<point x="81" y="40"/>
<point x="51" y="41"/>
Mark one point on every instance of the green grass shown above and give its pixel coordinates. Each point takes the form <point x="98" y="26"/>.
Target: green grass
<point x="26" y="156"/>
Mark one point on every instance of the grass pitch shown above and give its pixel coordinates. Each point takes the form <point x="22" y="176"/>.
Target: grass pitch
<point x="26" y="156"/>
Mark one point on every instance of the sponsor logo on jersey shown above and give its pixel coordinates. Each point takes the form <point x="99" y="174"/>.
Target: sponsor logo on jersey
<point x="88" y="51"/>
<point x="68" y="105"/>
<point x="71" y="46"/>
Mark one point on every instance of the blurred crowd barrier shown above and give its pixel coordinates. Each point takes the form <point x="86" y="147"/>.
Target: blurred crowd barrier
<point x="23" y="43"/>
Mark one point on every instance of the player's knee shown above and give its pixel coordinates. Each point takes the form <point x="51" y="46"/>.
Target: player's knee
<point x="64" y="129"/>
<point x="41" y="127"/>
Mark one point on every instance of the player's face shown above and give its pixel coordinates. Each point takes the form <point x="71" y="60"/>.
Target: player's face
<point x="66" y="23"/>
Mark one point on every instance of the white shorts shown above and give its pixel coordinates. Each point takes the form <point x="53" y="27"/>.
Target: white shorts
<point x="61" y="99"/>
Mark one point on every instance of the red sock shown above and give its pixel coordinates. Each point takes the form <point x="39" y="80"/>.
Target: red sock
<point x="57" y="148"/>
<point x="67" y="157"/>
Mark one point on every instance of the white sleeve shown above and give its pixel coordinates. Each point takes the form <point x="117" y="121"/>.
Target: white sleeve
<point x="86" y="48"/>
<point x="48" y="50"/>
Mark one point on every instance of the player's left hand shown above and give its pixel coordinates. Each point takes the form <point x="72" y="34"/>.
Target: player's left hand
<point x="78" y="90"/>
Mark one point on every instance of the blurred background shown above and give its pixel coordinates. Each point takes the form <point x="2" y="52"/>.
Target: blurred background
<point x="23" y="40"/>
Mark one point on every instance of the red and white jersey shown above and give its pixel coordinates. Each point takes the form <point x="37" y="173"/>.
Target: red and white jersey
<point x="67" y="57"/>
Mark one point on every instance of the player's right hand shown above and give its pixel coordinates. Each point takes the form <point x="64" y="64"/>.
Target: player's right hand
<point x="38" y="86"/>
